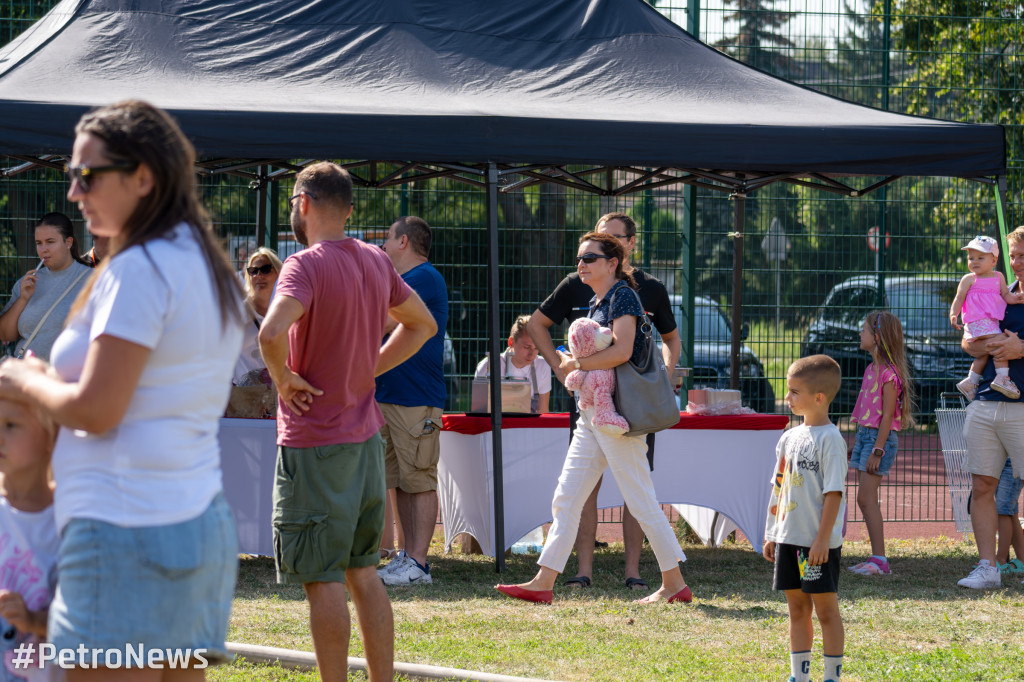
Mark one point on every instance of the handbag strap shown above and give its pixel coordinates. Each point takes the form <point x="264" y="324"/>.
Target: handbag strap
<point x="39" y="326"/>
<point x="645" y="322"/>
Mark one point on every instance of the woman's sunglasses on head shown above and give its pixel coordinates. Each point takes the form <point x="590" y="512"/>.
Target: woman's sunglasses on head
<point x="589" y="258"/>
<point x="84" y="174"/>
<point x="261" y="270"/>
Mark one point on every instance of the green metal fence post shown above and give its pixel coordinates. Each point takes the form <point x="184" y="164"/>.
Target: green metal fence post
<point x="689" y="254"/>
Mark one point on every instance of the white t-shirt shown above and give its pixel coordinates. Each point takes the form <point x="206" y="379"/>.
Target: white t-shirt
<point x="161" y="464"/>
<point x="811" y="462"/>
<point x="28" y="553"/>
<point x="250" y="357"/>
<point x="508" y="369"/>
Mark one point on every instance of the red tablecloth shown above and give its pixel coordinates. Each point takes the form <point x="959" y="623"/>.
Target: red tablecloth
<point x="460" y="423"/>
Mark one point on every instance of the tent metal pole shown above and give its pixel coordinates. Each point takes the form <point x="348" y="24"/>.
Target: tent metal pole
<point x="261" y="206"/>
<point x="737" y="292"/>
<point x="494" y="322"/>
<point x="1000" y="189"/>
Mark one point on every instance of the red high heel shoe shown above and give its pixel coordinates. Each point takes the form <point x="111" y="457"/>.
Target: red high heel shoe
<point x="516" y="592"/>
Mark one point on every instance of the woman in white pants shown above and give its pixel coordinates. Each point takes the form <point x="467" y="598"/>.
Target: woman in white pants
<point x="599" y="264"/>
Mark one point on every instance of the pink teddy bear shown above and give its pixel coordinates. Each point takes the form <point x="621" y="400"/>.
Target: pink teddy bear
<point x="595" y="386"/>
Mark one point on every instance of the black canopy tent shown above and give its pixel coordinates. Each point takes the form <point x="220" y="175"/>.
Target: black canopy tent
<point x="605" y="96"/>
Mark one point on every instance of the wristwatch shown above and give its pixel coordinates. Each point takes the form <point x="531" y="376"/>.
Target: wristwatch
<point x="577" y="363"/>
<point x="881" y="450"/>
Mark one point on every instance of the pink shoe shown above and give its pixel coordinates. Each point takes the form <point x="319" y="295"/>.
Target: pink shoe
<point x="872" y="566"/>
<point x="516" y="592"/>
<point x="1006" y="386"/>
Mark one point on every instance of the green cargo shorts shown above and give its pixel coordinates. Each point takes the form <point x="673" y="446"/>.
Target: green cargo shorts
<point x="328" y="510"/>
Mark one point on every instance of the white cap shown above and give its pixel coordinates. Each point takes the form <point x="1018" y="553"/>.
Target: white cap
<point x="983" y="244"/>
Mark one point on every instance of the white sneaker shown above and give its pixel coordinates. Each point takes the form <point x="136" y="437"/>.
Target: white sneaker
<point x="394" y="564"/>
<point x="982" y="577"/>
<point x="408" y="574"/>
<point x="968" y="388"/>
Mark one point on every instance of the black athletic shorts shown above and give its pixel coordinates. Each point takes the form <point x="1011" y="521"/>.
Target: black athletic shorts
<point x="792" y="572"/>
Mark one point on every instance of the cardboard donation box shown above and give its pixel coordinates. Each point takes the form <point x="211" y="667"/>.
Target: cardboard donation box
<point x="515" y="395"/>
<point x="713" y="397"/>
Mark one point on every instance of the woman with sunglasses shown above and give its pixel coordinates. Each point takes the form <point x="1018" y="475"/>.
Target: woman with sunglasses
<point x="139" y="380"/>
<point x="41" y="300"/>
<point x="599" y="263"/>
<point x="260" y="277"/>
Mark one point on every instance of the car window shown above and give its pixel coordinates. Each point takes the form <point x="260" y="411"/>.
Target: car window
<point x="849" y="306"/>
<point x="922" y="306"/>
<point x="711" y="324"/>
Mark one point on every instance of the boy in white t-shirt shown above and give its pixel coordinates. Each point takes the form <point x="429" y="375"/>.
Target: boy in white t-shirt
<point x="522" y="361"/>
<point x="28" y="538"/>
<point x="804" y="530"/>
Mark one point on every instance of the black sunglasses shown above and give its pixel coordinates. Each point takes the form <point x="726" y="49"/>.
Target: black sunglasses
<point x="292" y="198"/>
<point x="261" y="270"/>
<point x="589" y="258"/>
<point x="83" y="173"/>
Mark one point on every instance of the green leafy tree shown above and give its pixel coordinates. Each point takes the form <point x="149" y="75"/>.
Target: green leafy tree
<point x="759" y="41"/>
<point x="963" y="63"/>
<point x="860" y="55"/>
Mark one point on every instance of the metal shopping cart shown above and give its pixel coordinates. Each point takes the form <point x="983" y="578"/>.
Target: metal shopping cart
<point x="950" y="417"/>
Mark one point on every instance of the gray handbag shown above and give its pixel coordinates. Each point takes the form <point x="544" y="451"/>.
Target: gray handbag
<point x="643" y="392"/>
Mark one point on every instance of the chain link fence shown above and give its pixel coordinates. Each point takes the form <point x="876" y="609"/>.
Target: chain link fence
<point x="898" y="248"/>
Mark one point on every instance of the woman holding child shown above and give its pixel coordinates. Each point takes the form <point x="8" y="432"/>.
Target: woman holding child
<point x="139" y="378"/>
<point x="599" y="263"/>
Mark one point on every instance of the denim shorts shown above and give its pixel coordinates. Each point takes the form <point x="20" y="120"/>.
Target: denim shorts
<point x="1008" y="491"/>
<point x="161" y="587"/>
<point x="864" y="444"/>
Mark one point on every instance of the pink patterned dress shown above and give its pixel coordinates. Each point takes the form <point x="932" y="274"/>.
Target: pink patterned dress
<point x="983" y="308"/>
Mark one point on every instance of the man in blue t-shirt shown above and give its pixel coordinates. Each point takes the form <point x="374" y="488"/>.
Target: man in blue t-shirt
<point x="411" y="397"/>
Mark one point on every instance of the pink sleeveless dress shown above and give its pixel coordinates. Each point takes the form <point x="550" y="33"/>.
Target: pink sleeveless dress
<point x="983" y="308"/>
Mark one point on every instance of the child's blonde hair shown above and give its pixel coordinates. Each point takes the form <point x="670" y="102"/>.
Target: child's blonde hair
<point x="519" y="327"/>
<point x="888" y="333"/>
<point x="820" y="373"/>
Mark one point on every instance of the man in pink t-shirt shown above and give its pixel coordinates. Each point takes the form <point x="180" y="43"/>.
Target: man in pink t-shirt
<point x="321" y="343"/>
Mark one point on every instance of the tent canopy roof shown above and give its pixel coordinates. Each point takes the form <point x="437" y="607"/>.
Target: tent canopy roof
<point x="604" y="82"/>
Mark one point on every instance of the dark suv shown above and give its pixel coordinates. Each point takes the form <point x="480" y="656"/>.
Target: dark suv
<point x="922" y="304"/>
<point x="712" y="344"/>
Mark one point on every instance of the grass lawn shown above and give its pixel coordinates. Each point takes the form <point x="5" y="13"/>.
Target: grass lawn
<point x="914" y="625"/>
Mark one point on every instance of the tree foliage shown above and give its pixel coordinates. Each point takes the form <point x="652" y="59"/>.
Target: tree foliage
<point x="964" y="64"/>
<point x="759" y="41"/>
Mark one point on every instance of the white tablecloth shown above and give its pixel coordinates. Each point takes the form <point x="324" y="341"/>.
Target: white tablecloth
<point x="716" y="470"/>
<point x="728" y="471"/>
<point x="248" y="452"/>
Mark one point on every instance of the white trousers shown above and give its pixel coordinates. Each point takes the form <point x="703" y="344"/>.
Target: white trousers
<point x="590" y="453"/>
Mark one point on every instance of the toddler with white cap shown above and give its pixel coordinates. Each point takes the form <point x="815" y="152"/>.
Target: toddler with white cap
<point x="981" y="300"/>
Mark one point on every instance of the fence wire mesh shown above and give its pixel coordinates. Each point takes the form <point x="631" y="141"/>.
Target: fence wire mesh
<point x="908" y="56"/>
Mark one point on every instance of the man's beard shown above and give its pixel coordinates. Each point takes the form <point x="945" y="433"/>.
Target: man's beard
<point x="299" y="228"/>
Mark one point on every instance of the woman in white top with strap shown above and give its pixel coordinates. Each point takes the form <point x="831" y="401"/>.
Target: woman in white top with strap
<point x="139" y="379"/>
<point x="40" y="301"/>
<point x="522" y="361"/>
<point x="261" y="273"/>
